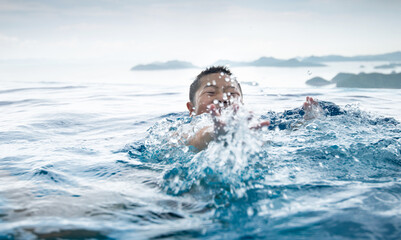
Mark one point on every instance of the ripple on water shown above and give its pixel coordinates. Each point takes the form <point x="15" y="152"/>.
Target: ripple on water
<point x="334" y="177"/>
<point x="39" y="89"/>
<point x="347" y="157"/>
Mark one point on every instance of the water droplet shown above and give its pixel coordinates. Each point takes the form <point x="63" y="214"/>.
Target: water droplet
<point x="221" y="73"/>
<point x="227" y="79"/>
<point x="250" y="211"/>
<point x="215" y="101"/>
<point x="214" y="83"/>
<point x="355" y="159"/>
<point x="221" y="104"/>
<point x="228" y="94"/>
<point x="208" y="84"/>
<point x="336" y="156"/>
<point x="225" y="97"/>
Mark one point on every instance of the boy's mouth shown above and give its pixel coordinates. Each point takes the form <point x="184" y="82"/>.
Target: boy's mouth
<point x="219" y="106"/>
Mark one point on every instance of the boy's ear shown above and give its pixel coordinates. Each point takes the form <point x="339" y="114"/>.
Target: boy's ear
<point x="190" y="108"/>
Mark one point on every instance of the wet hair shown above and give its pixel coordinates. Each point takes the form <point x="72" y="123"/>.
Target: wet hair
<point x="210" y="70"/>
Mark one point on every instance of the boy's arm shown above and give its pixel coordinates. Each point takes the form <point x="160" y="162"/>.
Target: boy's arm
<point x="207" y="134"/>
<point x="311" y="108"/>
<point x="295" y="118"/>
<point x="202" y="138"/>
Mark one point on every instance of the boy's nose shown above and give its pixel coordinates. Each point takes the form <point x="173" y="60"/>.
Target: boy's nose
<point x="221" y="98"/>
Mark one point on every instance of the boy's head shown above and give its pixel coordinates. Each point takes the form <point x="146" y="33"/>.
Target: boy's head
<point x="215" y="86"/>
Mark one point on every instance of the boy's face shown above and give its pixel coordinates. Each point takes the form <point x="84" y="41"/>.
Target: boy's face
<point x="215" y="89"/>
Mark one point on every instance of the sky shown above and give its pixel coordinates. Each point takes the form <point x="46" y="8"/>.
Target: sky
<point x="201" y="32"/>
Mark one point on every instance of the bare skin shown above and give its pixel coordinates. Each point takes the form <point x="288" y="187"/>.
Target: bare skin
<point x="309" y="106"/>
<point x="215" y="93"/>
<point x="215" y="89"/>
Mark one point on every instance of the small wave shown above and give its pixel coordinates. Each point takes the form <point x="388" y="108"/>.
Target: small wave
<point x="39" y="89"/>
<point x="153" y="94"/>
<point x="289" y="95"/>
<point x="24" y="101"/>
<point x="46" y="174"/>
<point x="346" y="144"/>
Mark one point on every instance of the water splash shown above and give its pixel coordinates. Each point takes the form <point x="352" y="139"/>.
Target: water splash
<point x="250" y="176"/>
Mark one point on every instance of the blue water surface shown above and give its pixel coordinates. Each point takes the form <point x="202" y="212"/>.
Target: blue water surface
<point x="334" y="177"/>
<point x="106" y="161"/>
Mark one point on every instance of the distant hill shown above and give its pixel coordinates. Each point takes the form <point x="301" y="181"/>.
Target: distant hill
<point x="371" y="80"/>
<point x="270" y="62"/>
<point x="312" y="61"/>
<point x="341" y="77"/>
<point x="395" y="56"/>
<point x="361" y="80"/>
<point x="388" y="66"/>
<point x="174" y="64"/>
<point x="318" y="82"/>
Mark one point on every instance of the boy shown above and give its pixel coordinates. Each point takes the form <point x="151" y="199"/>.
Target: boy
<point x="213" y="90"/>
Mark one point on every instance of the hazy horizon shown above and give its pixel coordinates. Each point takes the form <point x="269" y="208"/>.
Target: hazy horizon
<point x="198" y="32"/>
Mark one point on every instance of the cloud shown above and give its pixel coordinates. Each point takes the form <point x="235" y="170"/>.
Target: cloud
<point x="83" y="26"/>
<point x="4" y="39"/>
<point x="18" y="6"/>
<point x="199" y="30"/>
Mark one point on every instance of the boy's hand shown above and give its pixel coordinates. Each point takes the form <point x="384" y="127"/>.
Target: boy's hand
<point x="207" y="134"/>
<point x="220" y="125"/>
<point x="311" y="108"/>
<point x="260" y="125"/>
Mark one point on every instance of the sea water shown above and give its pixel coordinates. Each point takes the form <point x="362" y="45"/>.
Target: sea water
<point x="95" y="152"/>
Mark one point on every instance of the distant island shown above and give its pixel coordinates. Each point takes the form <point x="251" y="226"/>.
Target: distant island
<point x="174" y="64"/>
<point x="270" y="62"/>
<point x="388" y="66"/>
<point x="361" y="80"/>
<point x="312" y="61"/>
<point x="391" y="57"/>
<point x="318" y="82"/>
